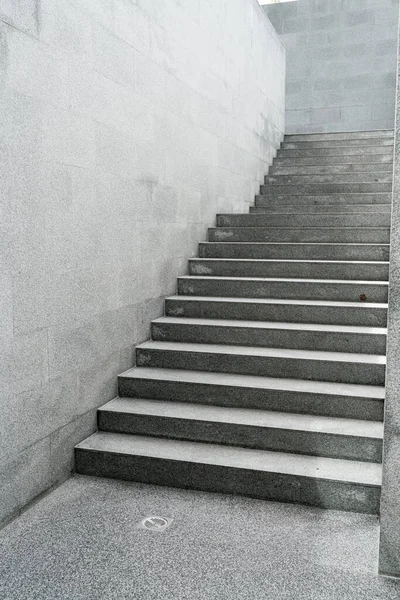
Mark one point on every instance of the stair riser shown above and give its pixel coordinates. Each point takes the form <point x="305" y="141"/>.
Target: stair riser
<point x="335" y="199"/>
<point x="307" y="220"/>
<point x="281" y="313"/>
<point x="294" y="169"/>
<point x="340" y="159"/>
<point x="347" y="407"/>
<point x="364" y="252"/>
<point x="308" y="270"/>
<point x="339" y="151"/>
<point x="303" y="178"/>
<point x="318" y="189"/>
<point x="214" y="478"/>
<point x="272" y="338"/>
<point x="345" y="135"/>
<point x="290" y="368"/>
<point x="261" y="438"/>
<point x="366" y="235"/>
<point x="348" y="143"/>
<point x="315" y="209"/>
<point x="292" y="290"/>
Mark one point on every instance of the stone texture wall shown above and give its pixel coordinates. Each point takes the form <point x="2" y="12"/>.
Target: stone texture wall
<point x="125" y="126"/>
<point x="389" y="555"/>
<point x="341" y="63"/>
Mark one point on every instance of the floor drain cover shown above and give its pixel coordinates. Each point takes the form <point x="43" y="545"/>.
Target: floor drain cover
<point x="155" y="523"/>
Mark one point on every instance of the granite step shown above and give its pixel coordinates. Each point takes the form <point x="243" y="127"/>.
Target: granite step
<point x="305" y="178"/>
<point x="294" y="289"/>
<point x="316" y="481"/>
<point x="337" y="143"/>
<point x="331" y="437"/>
<point x="374" y="150"/>
<point x="364" y="314"/>
<point x="344" y="200"/>
<point x="319" y="189"/>
<point x="304" y="220"/>
<point x="286" y="250"/>
<point x="347" y="401"/>
<point x="301" y="336"/>
<point x="301" y="234"/>
<point x="266" y="375"/>
<point x="279" y="209"/>
<point x="343" y="135"/>
<point x="289" y="268"/>
<point x="338" y="367"/>
<point x="292" y="168"/>
<point x="321" y="159"/>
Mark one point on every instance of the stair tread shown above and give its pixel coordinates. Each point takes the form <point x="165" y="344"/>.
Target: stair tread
<point x="246" y="416"/>
<point x="299" y="244"/>
<point x="285" y="353"/>
<point x="336" y="303"/>
<point x="289" y="260"/>
<point x="272" y="325"/>
<point x="383" y="227"/>
<point x="256" y="381"/>
<point x="235" y="457"/>
<point x="286" y="279"/>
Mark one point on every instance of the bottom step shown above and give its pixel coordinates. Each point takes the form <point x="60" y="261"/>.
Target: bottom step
<point x="314" y="481"/>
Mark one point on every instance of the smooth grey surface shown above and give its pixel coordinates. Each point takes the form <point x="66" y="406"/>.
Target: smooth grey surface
<point x="219" y="547"/>
<point x="249" y="391"/>
<point x="309" y="269"/>
<point x="341" y="63"/>
<point x="282" y="200"/>
<point x="108" y="142"/>
<point x="289" y="311"/>
<point x="308" y="220"/>
<point x="323" y="337"/>
<point x="372" y="235"/>
<point x="315" y="481"/>
<point x="297" y="289"/>
<point x="297" y="251"/>
<point x="300" y="434"/>
<point x="389" y="555"/>
<point x="320" y="208"/>
<point x="269" y="362"/>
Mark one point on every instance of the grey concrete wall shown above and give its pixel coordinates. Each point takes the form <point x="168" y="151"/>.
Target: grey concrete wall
<point x="389" y="552"/>
<point x="341" y="63"/>
<point x="125" y="126"/>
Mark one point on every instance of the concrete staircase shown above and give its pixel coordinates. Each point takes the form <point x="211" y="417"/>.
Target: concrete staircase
<point x="266" y="376"/>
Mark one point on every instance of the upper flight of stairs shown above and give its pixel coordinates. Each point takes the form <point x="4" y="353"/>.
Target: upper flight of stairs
<point x="266" y="375"/>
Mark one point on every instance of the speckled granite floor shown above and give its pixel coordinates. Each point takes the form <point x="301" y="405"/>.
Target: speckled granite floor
<point x="82" y="543"/>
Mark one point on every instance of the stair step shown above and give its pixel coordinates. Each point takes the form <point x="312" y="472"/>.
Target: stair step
<point x="305" y="336"/>
<point x="343" y="135"/>
<point x="321" y="200"/>
<point x="281" y="432"/>
<point x="292" y="168"/>
<point x="249" y="391"/>
<point x="316" y="481"/>
<point x="304" y="178"/>
<point x="340" y="159"/>
<point x="304" y="220"/>
<point x="335" y="143"/>
<point x="374" y="150"/>
<point x="269" y="362"/>
<point x="277" y="310"/>
<point x="290" y="268"/>
<point x="296" y="289"/>
<point x="363" y="235"/>
<point x="285" y="209"/>
<point x="276" y="250"/>
<point x="324" y="188"/>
